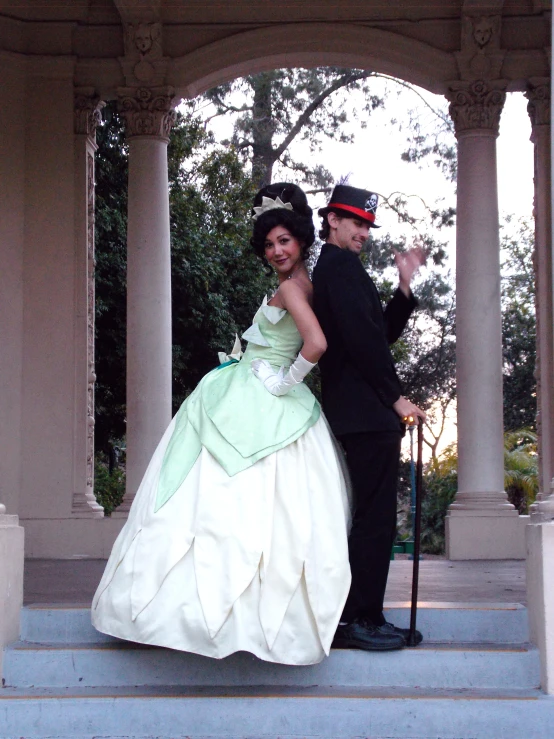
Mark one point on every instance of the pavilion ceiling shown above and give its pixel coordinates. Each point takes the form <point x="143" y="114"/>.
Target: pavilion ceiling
<point x="262" y="11"/>
<point x="92" y="33"/>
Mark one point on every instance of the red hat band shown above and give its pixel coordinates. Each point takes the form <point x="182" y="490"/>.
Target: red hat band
<point x="358" y="211"/>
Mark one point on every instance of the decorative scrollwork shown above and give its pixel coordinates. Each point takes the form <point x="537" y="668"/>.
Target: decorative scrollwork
<point x="87" y="111"/>
<point x="91" y="379"/>
<point x="538" y="107"/>
<point x="148" y="111"/>
<point x="476" y="105"/>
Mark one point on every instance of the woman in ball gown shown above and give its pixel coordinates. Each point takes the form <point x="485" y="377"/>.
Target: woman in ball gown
<point x="237" y="536"/>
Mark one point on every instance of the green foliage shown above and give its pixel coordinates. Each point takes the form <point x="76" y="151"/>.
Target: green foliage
<point x="440" y="482"/>
<point x="518" y="326"/>
<point x="109" y="487"/>
<point x="110" y="274"/>
<point x="521" y="478"/>
<point x="440" y="485"/>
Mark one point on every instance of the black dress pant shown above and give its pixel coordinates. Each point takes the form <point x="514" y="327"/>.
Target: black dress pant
<point x="372" y="460"/>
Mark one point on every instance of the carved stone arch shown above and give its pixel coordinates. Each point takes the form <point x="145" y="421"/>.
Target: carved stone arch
<point x="311" y="45"/>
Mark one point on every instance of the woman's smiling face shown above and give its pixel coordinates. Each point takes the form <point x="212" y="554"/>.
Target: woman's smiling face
<point x="282" y="250"/>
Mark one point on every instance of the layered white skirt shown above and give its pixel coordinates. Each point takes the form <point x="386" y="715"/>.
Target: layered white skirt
<point x="256" y="562"/>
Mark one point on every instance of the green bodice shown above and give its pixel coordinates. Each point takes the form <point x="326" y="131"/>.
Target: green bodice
<point x="232" y="415"/>
<point x="273" y="336"/>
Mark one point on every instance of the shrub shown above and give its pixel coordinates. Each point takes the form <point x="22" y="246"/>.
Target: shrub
<point x="109" y="487"/>
<point x="521" y="477"/>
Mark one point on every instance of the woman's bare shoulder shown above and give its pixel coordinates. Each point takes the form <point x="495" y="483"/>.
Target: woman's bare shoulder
<point x="297" y="286"/>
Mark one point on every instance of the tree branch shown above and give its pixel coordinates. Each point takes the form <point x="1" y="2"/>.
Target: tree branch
<point x="444" y="118"/>
<point x="343" y="81"/>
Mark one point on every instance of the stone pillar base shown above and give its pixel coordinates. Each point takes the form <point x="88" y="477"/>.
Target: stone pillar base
<point x="485" y="537"/>
<point x="71" y="538"/>
<point x="540" y="596"/>
<point x="11" y="580"/>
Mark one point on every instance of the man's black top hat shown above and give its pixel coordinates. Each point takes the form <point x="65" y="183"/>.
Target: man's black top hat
<point x="353" y="202"/>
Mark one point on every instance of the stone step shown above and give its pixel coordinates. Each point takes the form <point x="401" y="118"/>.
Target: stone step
<point x="118" y="663"/>
<point x="274" y="713"/>
<point x="504" y="623"/>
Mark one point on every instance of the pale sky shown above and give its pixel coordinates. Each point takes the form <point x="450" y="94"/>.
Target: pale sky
<point x="373" y="161"/>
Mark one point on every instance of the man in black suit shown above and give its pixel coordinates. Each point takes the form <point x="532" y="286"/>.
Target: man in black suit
<point x="363" y="402"/>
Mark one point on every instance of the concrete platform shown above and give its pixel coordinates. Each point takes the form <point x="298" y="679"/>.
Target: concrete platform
<point x="73" y="582"/>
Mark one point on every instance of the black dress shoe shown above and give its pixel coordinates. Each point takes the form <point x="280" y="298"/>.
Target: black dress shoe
<point x="363" y="634"/>
<point x="405" y="633"/>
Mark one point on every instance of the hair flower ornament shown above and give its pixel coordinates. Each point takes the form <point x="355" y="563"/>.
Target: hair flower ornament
<point x="269" y="204"/>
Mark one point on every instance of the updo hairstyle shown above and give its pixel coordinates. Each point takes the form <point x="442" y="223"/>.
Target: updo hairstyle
<point x="298" y="221"/>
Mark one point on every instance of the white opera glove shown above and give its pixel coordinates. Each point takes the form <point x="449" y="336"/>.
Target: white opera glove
<point x="279" y="383"/>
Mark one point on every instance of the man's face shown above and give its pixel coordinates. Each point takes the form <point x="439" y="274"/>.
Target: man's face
<point x="348" y="233"/>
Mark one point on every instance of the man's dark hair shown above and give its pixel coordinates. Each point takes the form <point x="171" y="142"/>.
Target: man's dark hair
<point x="325" y="229"/>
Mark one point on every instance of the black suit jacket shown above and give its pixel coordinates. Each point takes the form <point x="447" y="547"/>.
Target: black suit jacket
<point x="359" y="381"/>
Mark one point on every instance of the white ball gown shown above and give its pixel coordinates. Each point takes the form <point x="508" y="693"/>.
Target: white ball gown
<point x="237" y="537"/>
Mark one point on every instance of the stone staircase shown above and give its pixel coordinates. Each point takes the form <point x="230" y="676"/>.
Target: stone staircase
<point x="474" y="677"/>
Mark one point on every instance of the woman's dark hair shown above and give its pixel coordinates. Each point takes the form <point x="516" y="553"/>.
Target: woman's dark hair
<point x="298" y="221"/>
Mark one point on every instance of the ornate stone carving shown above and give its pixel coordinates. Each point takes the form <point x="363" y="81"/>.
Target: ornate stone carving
<point x="85" y="504"/>
<point x="538" y="107"/>
<point x="481" y="56"/>
<point x="91" y="379"/>
<point x="148" y="111"/>
<point x="476" y="105"/>
<point x="144" y="62"/>
<point x="87" y="109"/>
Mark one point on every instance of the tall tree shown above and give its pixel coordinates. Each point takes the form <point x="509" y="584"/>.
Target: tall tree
<point x="277" y="108"/>
<point x="518" y="326"/>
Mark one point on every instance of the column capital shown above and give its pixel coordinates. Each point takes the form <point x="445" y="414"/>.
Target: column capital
<point x="87" y="112"/>
<point x="476" y="105"/>
<point x="538" y="95"/>
<point x="148" y="111"/>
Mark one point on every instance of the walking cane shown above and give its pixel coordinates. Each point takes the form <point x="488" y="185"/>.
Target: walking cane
<point x="417" y="534"/>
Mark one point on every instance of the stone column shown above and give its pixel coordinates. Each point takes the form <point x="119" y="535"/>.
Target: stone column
<point x="88" y="108"/>
<point x="148" y="114"/>
<point x="481" y="523"/>
<point x="538" y="94"/>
